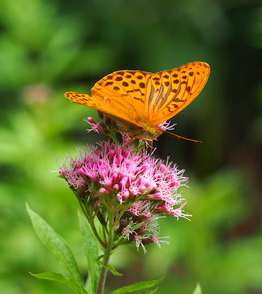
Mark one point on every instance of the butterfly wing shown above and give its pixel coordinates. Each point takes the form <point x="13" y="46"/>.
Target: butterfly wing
<point x="120" y="94"/>
<point x="143" y="99"/>
<point x="170" y="91"/>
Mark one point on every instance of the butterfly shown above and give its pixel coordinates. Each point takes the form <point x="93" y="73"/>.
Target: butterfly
<point x="141" y="102"/>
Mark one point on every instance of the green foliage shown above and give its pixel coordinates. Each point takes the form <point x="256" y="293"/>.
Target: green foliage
<point x="60" y="249"/>
<point x="49" y="47"/>
<point x="138" y="286"/>
<point x="197" y="290"/>
<point x="92" y="254"/>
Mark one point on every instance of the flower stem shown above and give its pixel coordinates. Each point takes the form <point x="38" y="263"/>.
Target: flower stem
<point x="103" y="275"/>
<point x="108" y="251"/>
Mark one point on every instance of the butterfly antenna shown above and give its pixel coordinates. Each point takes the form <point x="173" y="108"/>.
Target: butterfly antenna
<point x="184" y="138"/>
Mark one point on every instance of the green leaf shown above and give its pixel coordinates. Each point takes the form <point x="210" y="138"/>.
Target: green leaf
<point x="153" y="291"/>
<point x="91" y="249"/>
<point x="143" y="292"/>
<point x="197" y="290"/>
<point x="53" y="276"/>
<point x="57" y="245"/>
<point x="109" y="267"/>
<point x="113" y="271"/>
<point x="134" y="288"/>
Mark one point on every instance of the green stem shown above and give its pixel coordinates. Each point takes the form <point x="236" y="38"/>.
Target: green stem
<point x="90" y="219"/>
<point x="108" y="251"/>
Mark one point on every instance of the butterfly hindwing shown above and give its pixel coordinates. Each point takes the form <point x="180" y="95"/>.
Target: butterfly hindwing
<point x="177" y="88"/>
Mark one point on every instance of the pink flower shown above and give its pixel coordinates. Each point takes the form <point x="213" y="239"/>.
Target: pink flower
<point x="96" y="126"/>
<point x="113" y="181"/>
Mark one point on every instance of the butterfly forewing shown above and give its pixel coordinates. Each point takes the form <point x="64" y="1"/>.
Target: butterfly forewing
<point x="178" y="88"/>
<point x="85" y="99"/>
<point x="123" y="93"/>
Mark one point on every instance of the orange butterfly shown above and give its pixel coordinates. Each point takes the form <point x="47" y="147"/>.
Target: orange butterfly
<point x="140" y="101"/>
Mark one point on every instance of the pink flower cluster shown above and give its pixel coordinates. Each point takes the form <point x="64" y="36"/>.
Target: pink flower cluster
<point x="136" y="187"/>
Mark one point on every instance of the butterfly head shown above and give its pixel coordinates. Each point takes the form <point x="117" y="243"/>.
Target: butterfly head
<point x="148" y="134"/>
<point x="140" y="129"/>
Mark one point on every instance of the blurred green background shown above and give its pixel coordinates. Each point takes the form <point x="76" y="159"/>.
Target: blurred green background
<point x="48" y="47"/>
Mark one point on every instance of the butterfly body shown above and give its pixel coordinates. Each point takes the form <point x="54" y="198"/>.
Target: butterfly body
<point x="141" y="101"/>
<point x="141" y="130"/>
